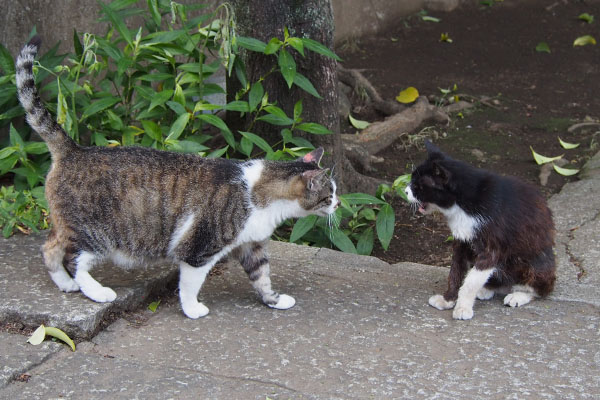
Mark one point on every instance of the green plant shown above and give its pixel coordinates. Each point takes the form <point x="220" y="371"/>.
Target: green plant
<point x="23" y="211"/>
<point x="355" y="225"/>
<point x="149" y="87"/>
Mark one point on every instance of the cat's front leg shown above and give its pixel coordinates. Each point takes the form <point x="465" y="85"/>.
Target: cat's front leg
<point x="253" y="258"/>
<point x="461" y="256"/>
<point x="190" y="283"/>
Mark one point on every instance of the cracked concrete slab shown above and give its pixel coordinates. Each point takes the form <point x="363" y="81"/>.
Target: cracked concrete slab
<point x="361" y="328"/>
<point x="30" y="297"/>
<point x="18" y="357"/>
<point x="352" y="335"/>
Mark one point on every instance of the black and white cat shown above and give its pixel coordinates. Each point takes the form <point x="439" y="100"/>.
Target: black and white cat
<point x="502" y="227"/>
<point x="130" y="205"/>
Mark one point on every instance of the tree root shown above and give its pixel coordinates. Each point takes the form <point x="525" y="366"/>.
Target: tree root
<point x="360" y="148"/>
<point x="356" y="80"/>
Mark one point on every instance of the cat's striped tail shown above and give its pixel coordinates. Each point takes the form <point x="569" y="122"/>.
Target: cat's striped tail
<point x="36" y="114"/>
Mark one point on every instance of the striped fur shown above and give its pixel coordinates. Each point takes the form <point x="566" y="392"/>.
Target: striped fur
<point x="132" y="205"/>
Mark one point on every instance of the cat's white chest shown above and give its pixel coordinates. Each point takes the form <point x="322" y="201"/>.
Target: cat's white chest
<point x="262" y="221"/>
<point x="463" y="226"/>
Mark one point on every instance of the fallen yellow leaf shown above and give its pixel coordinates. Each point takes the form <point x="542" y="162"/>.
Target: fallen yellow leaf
<point x="408" y="95"/>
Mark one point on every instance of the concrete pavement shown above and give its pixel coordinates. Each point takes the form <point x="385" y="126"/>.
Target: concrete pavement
<point x="361" y="329"/>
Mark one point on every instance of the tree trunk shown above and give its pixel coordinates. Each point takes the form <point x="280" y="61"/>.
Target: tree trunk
<point x="311" y="19"/>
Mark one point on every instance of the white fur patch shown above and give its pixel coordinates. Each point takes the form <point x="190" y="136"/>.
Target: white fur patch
<point x="438" y="301"/>
<point x="251" y="172"/>
<point x="409" y="195"/>
<point x="472" y="284"/>
<point x="517" y="299"/>
<point x="190" y="283"/>
<point x="485" y="294"/>
<point x="262" y="221"/>
<point x="463" y="226"/>
<point x="284" y="302"/>
<point x="123" y="260"/>
<point x="64" y="281"/>
<point x="184" y="226"/>
<point x="88" y="285"/>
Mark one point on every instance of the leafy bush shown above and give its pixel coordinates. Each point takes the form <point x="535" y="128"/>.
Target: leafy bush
<point x="150" y="87"/>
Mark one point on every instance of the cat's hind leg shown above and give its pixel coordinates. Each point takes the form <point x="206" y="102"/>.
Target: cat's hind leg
<point x="472" y="284"/>
<point x="90" y="287"/>
<point x="485" y="294"/>
<point x="253" y="258"/>
<point x="521" y="295"/>
<point x="191" y="280"/>
<point x="54" y="251"/>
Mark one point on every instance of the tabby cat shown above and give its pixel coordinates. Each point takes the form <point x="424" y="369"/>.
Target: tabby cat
<point x="131" y="205"/>
<point x="502" y="227"/>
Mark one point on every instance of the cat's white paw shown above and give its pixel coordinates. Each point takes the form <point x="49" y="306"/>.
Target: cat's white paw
<point x="100" y="294"/>
<point x="195" y="310"/>
<point x="485" y="294"/>
<point x="284" y="302"/>
<point x="517" y="299"/>
<point x="64" y="281"/>
<point x="438" y="301"/>
<point x="462" y="312"/>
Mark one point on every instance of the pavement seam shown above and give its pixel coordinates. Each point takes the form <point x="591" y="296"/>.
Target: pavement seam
<point x="33" y="365"/>
<point x="574" y="260"/>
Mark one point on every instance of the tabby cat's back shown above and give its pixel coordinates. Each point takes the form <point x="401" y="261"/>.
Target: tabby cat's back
<point x="131" y="205"/>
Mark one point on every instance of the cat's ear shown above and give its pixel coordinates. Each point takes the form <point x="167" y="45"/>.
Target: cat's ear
<point x="441" y="173"/>
<point x="314" y="156"/>
<point x="433" y="151"/>
<point x="312" y="178"/>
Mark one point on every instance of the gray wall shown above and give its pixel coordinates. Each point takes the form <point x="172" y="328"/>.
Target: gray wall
<point x="56" y="19"/>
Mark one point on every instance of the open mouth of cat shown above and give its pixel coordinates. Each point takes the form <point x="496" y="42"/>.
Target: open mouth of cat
<point x="424" y="208"/>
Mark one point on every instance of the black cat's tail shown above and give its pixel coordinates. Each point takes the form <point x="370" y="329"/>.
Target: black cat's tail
<point x="37" y="116"/>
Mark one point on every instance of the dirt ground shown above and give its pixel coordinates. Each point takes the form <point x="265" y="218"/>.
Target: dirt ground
<point x="534" y="97"/>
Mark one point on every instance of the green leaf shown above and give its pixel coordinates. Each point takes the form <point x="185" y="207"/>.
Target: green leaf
<point x="117" y="22"/>
<point x="584" y="40"/>
<point x="586" y="17"/>
<point x="364" y="246"/>
<point x="298" y="110"/>
<point x="57" y="333"/>
<point x="251" y="44"/>
<point x="38" y="336"/>
<point x="152" y="130"/>
<point x="36" y="148"/>
<point x="153" y="306"/>
<point x="275" y="116"/>
<point x="218" y="153"/>
<point x="568" y="146"/>
<point x="161" y="98"/>
<point x="273" y="45"/>
<point x="7" y="64"/>
<point x="430" y="19"/>
<point x="15" y="138"/>
<point x="342" y="242"/>
<point x="237" y="105"/>
<point x="565" y="171"/>
<point x="540" y="159"/>
<point x="386" y="220"/>
<point x="178" y="127"/>
<point x="302" y="82"/>
<point x="361" y="198"/>
<point x="313" y="127"/>
<point x="358" y="124"/>
<point x="319" y="48"/>
<point x="256" y="94"/>
<point x="153" y="7"/>
<point x="258" y="141"/>
<point x="98" y="106"/>
<point x="246" y="147"/>
<point x="542" y="47"/>
<point x="218" y="122"/>
<point x="287" y="66"/>
<point x="297" y="44"/>
<point x="302" y="226"/>
<point x="6" y="152"/>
